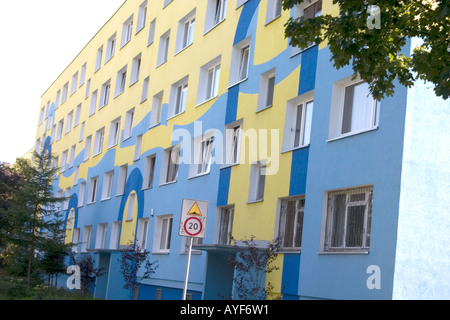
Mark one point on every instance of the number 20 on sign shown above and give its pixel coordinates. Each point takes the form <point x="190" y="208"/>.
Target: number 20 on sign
<point x="193" y="218"/>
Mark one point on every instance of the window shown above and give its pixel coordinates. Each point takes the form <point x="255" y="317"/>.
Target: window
<point x="100" y="241"/>
<point x="353" y="109"/>
<point x="142" y="234"/>
<point x="114" y="133"/>
<point x="110" y="48"/>
<point x="307" y="10"/>
<point x="186" y="27"/>
<point x="233" y="143"/>
<point x="144" y="95"/>
<point x="121" y="81"/>
<point x="104" y="95"/>
<point x="115" y="235"/>
<point x="77" y="116"/>
<point x="257" y="182"/>
<point x="83" y="74"/>
<point x="266" y="90"/>
<point x="122" y="182"/>
<point x="64" y="93"/>
<point x="163" y="51"/>
<point x="108" y="180"/>
<point x="142" y="16"/>
<point x="92" y="195"/>
<point x="81" y="132"/>
<point x="75" y="239"/>
<point x="171" y="161"/>
<point x="137" y="148"/>
<point x="166" y="2"/>
<point x="98" y="62"/>
<point x="74" y="83"/>
<point x="129" y="119"/>
<point x="69" y="122"/>
<point x="155" y="117"/>
<point x="87" y="232"/>
<point x="297" y="129"/>
<point x="226" y="225"/>
<point x="88" y="88"/>
<point x="202" y="152"/>
<point x="60" y="129"/>
<point x="348" y="218"/>
<point x="291" y="223"/>
<point x="178" y="96"/>
<point x="64" y="160"/>
<point x="81" y="194"/>
<point x="75" y="178"/>
<point x="240" y="58"/>
<point x="66" y="201"/>
<point x="149" y="172"/>
<point x="93" y="103"/>
<point x="151" y="32"/>
<point x="99" y="138"/>
<point x="163" y="234"/>
<point x="130" y="206"/>
<point x="58" y="96"/>
<point x="216" y="12"/>
<point x="273" y="10"/>
<point x="87" y="148"/>
<point x="127" y="31"/>
<point x="209" y="78"/>
<point x="72" y="156"/>
<point x="135" y="70"/>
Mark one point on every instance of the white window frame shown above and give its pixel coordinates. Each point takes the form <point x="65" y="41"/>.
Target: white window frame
<point x="185" y="34"/>
<point x="151" y="32"/>
<point x="203" y="146"/>
<point x="274" y="9"/>
<point x="142" y="17"/>
<point x="144" y="95"/>
<point x="215" y="13"/>
<point x="72" y="156"/>
<point x="115" y="235"/>
<point x="233" y="136"/>
<point x="122" y="181"/>
<point x="225" y="225"/>
<point x="99" y="140"/>
<point x="64" y="157"/>
<point x="142" y="234"/>
<point x="137" y="148"/>
<point x="104" y="95"/>
<point x="299" y="11"/>
<point x="81" y="132"/>
<point x="131" y="206"/>
<point x="98" y="62"/>
<point x="77" y="115"/>
<point x="75" y="239"/>
<point x="127" y="31"/>
<point x="121" y="81"/>
<point x="87" y="148"/>
<point x="93" y="105"/>
<point x="292" y="129"/>
<point x="337" y="114"/>
<point x="331" y="241"/>
<point x="102" y="231"/>
<point x="178" y="97"/>
<point x="74" y="84"/>
<point x="65" y="91"/>
<point x="267" y="84"/>
<point x="170" y="165"/>
<point x="240" y="61"/>
<point x="60" y="129"/>
<point x="88" y="88"/>
<point x="81" y="194"/>
<point x="87" y="234"/>
<point x="111" y="47"/>
<point x="69" y="122"/>
<point x="149" y="171"/>
<point x="114" y="133"/>
<point x="209" y="79"/>
<point x="93" y="188"/>
<point x="108" y="182"/>
<point x="257" y="182"/>
<point x="157" y="101"/>
<point x="163" y="51"/>
<point x="135" y="69"/>
<point x="163" y="234"/>
<point x="82" y="74"/>
<point x="128" y="129"/>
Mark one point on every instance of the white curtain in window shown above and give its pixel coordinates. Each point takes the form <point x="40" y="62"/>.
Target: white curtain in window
<point x="362" y="107"/>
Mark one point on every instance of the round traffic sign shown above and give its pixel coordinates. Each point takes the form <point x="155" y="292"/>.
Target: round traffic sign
<point x="193" y="226"/>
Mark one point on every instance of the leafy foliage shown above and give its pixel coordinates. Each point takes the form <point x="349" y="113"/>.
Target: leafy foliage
<point x="377" y="55"/>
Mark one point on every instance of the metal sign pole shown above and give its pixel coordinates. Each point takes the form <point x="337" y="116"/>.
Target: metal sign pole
<point x="191" y="239"/>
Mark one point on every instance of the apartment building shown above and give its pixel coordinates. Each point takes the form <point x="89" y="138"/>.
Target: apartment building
<point x="206" y="100"/>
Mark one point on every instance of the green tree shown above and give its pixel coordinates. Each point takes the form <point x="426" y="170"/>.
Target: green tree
<point x="35" y="225"/>
<point x="370" y="35"/>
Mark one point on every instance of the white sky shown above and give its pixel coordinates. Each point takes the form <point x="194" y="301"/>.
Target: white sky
<point x="38" y="40"/>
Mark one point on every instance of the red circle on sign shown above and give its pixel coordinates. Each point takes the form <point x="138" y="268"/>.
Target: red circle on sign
<point x="200" y="227"/>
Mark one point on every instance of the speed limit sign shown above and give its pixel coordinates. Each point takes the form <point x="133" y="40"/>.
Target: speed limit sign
<point x="193" y="218"/>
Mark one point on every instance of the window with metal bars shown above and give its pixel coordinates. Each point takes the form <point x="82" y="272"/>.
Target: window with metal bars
<point x="348" y="219"/>
<point x="291" y="223"/>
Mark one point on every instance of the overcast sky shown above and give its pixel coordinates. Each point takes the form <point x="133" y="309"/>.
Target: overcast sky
<point x="39" y="39"/>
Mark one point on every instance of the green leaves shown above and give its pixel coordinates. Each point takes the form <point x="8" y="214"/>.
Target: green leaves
<point x="377" y="52"/>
